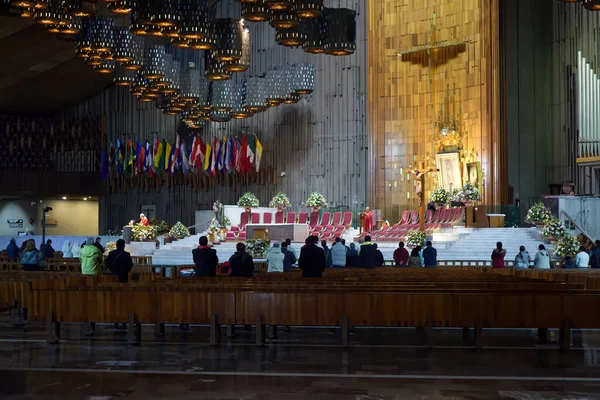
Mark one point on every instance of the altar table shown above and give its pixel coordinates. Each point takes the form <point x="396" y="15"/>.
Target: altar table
<point x="280" y="232"/>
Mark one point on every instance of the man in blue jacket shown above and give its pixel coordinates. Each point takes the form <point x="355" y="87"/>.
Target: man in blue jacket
<point x="430" y="256"/>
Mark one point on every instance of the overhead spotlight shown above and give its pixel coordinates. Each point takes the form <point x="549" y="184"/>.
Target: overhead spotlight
<point x="64" y="198"/>
<point x="85" y="199"/>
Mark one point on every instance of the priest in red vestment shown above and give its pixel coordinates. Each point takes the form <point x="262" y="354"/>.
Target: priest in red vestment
<point x="144" y="221"/>
<point x="368" y="220"/>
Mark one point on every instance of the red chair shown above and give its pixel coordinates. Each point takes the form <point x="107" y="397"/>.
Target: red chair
<point x="241" y="236"/>
<point x="230" y="235"/>
<point x="267" y="218"/>
<point x="325" y="219"/>
<point x="244" y="219"/>
<point x="255" y="218"/>
<point x="279" y="217"/>
<point x="337" y="219"/>
<point x="428" y="217"/>
<point x="405" y="217"/>
<point x="314" y="219"/>
<point x="347" y="219"/>
<point x="291" y="218"/>
<point x="302" y="217"/>
<point x="414" y="217"/>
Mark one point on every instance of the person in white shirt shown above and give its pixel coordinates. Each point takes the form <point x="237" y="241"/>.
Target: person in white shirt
<point x="582" y="260"/>
<point x="542" y="258"/>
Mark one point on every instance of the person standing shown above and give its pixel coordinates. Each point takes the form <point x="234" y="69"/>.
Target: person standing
<point x="430" y="255"/>
<point x="76" y="249"/>
<point x="31" y="258"/>
<point x="12" y="250"/>
<point x="498" y="256"/>
<point x="288" y="243"/>
<point x="352" y="259"/>
<point x="569" y="263"/>
<point x="542" y="258"/>
<point x="66" y="249"/>
<point x="91" y="258"/>
<point x="582" y="259"/>
<point x="143" y="220"/>
<point x="595" y="256"/>
<point x="523" y="259"/>
<point x="241" y="263"/>
<point x="48" y="249"/>
<point x="368" y="220"/>
<point x="275" y="259"/>
<point x="289" y="259"/>
<point x="312" y="259"/>
<point x="205" y="258"/>
<point x="379" y="260"/>
<point x="119" y="262"/>
<point x="338" y="254"/>
<point x="326" y="250"/>
<point x="99" y="245"/>
<point x="367" y="254"/>
<point x="401" y="255"/>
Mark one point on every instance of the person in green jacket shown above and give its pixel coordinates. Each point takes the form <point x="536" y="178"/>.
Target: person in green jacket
<point x="91" y="258"/>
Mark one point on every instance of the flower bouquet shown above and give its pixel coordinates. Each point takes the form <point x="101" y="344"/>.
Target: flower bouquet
<point x="567" y="246"/>
<point x="469" y="194"/>
<point x="214" y="226"/>
<point x="257" y="248"/>
<point x="160" y="226"/>
<point x="554" y="229"/>
<point x="415" y="238"/>
<point x="280" y="201"/>
<point x="110" y="246"/>
<point x="440" y="196"/>
<point x="248" y="200"/>
<point x="538" y="214"/>
<point x="179" y="231"/>
<point x="141" y="233"/>
<point x="316" y="200"/>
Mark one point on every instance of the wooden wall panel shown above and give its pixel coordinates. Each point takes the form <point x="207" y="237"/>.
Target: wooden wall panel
<point x="399" y="93"/>
<point x="320" y="143"/>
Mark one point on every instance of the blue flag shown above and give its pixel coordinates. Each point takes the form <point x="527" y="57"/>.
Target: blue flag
<point x="104" y="165"/>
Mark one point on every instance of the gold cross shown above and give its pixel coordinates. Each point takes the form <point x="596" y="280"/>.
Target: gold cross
<point x="420" y="188"/>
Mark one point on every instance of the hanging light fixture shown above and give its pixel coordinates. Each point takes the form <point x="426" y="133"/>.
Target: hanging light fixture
<point x="219" y="116"/>
<point x="313" y="31"/>
<point x="340" y="31"/>
<point x="136" y="50"/>
<point x="275" y="94"/>
<point x="204" y="102"/>
<point x="592" y="5"/>
<point x="205" y="43"/>
<point x="222" y="96"/>
<point x="72" y="28"/>
<point x="122" y="6"/>
<point x="279" y="5"/>
<point x="123" y="50"/>
<point x="141" y="18"/>
<point x="283" y="20"/>
<point x="213" y="69"/>
<point x="197" y="20"/>
<point x="174" y="78"/>
<point x="239" y="111"/>
<point x="255" y="12"/>
<point x="255" y="94"/>
<point x="306" y="9"/>
<point x="99" y="32"/>
<point x="106" y="67"/>
<point x="190" y="83"/>
<point x="80" y="8"/>
<point x="304" y="79"/>
<point x="229" y="33"/>
<point x="250" y="1"/>
<point x="180" y="43"/>
<point x="124" y="77"/>
<point x="165" y="81"/>
<point x="154" y="62"/>
<point x="168" y="13"/>
<point x="243" y="63"/>
<point x="293" y="37"/>
<point x="291" y="96"/>
<point x="23" y="3"/>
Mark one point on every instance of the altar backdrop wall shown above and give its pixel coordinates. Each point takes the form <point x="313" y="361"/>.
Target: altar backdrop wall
<point x="320" y="143"/>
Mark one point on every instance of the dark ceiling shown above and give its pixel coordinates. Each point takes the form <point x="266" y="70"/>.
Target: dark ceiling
<point x="39" y="72"/>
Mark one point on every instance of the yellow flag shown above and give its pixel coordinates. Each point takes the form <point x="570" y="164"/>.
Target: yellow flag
<point x="259" y="151"/>
<point x="168" y="149"/>
<point x="207" y="157"/>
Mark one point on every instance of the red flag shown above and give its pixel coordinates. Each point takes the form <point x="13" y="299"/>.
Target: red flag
<point x="244" y="154"/>
<point x="213" y="165"/>
<point x="201" y="154"/>
<point x="193" y="152"/>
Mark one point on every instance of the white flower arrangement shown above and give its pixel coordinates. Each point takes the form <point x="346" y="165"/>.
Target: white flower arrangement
<point x="554" y="228"/>
<point x="469" y="193"/>
<point x="415" y="238"/>
<point x="538" y="214"/>
<point x="280" y="201"/>
<point x="110" y="246"/>
<point x="179" y="231"/>
<point x="567" y="246"/>
<point x="214" y="226"/>
<point x="248" y="200"/>
<point x="440" y="195"/>
<point x="141" y="233"/>
<point x="257" y="248"/>
<point x="316" y="199"/>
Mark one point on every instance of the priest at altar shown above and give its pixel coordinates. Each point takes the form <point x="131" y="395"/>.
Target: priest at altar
<point x="367" y="220"/>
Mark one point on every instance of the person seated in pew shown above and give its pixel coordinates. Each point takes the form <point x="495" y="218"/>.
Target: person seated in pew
<point x="66" y="250"/>
<point x="582" y="259"/>
<point x="290" y="258"/>
<point x="414" y="260"/>
<point x="542" y="258"/>
<point x="99" y="245"/>
<point x="205" y="258"/>
<point x="288" y="243"/>
<point x="523" y="259"/>
<point x="379" y="260"/>
<point x="569" y="263"/>
<point x="275" y="259"/>
<point x="48" y="250"/>
<point x="352" y="259"/>
<point x="430" y="255"/>
<point x="498" y="256"/>
<point x="344" y="243"/>
<point x="91" y="258"/>
<point x="338" y="254"/>
<point x="12" y="250"/>
<point x="119" y="262"/>
<point x="241" y="263"/>
<point x="31" y="258"/>
<point x="595" y="256"/>
<point x="401" y="255"/>
<point x="312" y="259"/>
<point x="368" y="254"/>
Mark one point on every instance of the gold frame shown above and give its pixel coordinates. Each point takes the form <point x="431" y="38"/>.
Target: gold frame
<point x="449" y="160"/>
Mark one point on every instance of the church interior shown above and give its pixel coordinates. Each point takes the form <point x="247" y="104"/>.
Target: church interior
<point x="290" y="199"/>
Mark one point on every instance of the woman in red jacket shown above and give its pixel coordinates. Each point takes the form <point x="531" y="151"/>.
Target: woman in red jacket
<point x="498" y="256"/>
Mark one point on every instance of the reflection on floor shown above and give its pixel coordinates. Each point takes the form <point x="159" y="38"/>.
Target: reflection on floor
<point x="300" y="364"/>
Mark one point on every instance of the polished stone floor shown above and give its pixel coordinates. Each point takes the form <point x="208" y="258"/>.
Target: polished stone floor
<point x="304" y="363"/>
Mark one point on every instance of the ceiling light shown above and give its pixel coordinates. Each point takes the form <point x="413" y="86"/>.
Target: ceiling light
<point x="64" y="198"/>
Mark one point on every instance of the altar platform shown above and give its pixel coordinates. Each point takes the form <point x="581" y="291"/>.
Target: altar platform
<point x="278" y="232"/>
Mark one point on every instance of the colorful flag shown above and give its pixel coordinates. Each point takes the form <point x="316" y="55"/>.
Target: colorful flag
<point x="231" y="152"/>
<point x="208" y="158"/>
<point x="238" y="156"/>
<point x="193" y="153"/>
<point x="176" y="159"/>
<point x="259" y="151"/>
<point x="140" y="158"/>
<point x="220" y="155"/>
<point x="251" y="153"/>
<point x="148" y="167"/>
<point x="215" y="149"/>
<point x="244" y="154"/>
<point x="104" y="165"/>
<point x="185" y="162"/>
<point x="200" y="154"/>
<point x="120" y="156"/>
<point x="111" y="158"/>
<point x="227" y="157"/>
<point x="173" y="160"/>
<point x="158" y="153"/>
<point x="167" y="156"/>
<point x="130" y="151"/>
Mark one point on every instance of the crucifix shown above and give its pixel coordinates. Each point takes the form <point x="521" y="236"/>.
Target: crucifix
<point x="420" y="187"/>
<point x="432" y="55"/>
